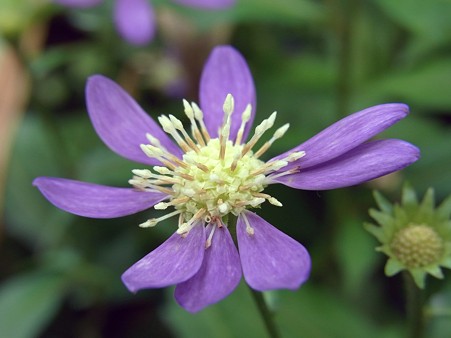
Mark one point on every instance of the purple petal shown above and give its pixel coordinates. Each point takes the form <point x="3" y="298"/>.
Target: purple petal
<point x="173" y="262"/>
<point x="347" y="133"/>
<point x="93" y="200"/>
<point x="363" y="163"/>
<point x="78" y="3"/>
<point x="135" y="21"/>
<point x="207" y="4"/>
<point x="226" y="72"/>
<point x="218" y="276"/>
<point x="121" y="123"/>
<point x="270" y="259"/>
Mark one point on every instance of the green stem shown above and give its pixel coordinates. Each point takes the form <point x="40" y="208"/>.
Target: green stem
<point x="266" y="314"/>
<point x="414" y="308"/>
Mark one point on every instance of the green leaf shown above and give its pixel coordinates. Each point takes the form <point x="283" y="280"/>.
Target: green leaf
<point x="28" y="303"/>
<point x="426" y="86"/>
<point x="356" y="255"/>
<point x="434" y="19"/>
<point x="226" y="319"/>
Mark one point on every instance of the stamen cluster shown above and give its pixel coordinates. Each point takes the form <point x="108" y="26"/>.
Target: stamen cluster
<point x="215" y="176"/>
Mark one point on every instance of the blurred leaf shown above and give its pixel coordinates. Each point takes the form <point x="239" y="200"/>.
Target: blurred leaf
<point x="30" y="216"/>
<point x="355" y="254"/>
<point x="28" y="303"/>
<point x="439" y="313"/>
<point x="226" y="319"/>
<point x="426" y="86"/>
<point x="433" y="140"/>
<point x="286" y="11"/>
<point x="320" y="313"/>
<point x="434" y="19"/>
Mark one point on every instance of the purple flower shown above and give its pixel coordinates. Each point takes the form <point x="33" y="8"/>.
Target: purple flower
<point x="211" y="174"/>
<point x="135" y="19"/>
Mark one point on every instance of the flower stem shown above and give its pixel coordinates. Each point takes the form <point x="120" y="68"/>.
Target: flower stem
<point x="414" y="308"/>
<point x="266" y="314"/>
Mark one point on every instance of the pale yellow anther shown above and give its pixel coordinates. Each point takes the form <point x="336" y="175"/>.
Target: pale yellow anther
<point x="295" y="156"/>
<point x="229" y="105"/>
<point x="198" y="114"/>
<point x="166" y="123"/>
<point x="281" y="131"/>
<point x="188" y="109"/>
<point x="144" y="173"/>
<point x="149" y="223"/>
<point x="271" y="120"/>
<point x="256" y="201"/>
<point x="154" y="221"/>
<point x="274" y="201"/>
<point x="176" y="122"/>
<point x="162" y="170"/>
<point x="161" y="206"/>
<point x="223" y="208"/>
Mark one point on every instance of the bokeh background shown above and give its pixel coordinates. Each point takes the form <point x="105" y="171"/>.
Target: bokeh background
<point x="313" y="61"/>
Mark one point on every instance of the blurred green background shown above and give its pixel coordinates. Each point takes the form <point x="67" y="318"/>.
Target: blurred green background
<point x="313" y="61"/>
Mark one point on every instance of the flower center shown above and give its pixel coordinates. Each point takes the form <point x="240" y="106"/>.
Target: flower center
<point x="417" y="246"/>
<point x="214" y="177"/>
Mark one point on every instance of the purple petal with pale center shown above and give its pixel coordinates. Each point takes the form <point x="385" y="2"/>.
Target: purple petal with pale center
<point x="135" y="20"/>
<point x="226" y="72"/>
<point x="121" y="123"/>
<point x="173" y="262"/>
<point x="270" y="259"/>
<point x="93" y="200"/>
<point x="79" y="3"/>
<point x="207" y="4"/>
<point x="218" y="276"/>
<point x="346" y="134"/>
<point x="363" y="163"/>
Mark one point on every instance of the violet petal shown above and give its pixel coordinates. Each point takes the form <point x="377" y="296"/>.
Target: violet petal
<point x="226" y="72"/>
<point x="121" y="123"/>
<point x="78" y="3"/>
<point x="173" y="262"/>
<point x="363" y="163"/>
<point x="270" y="258"/>
<point x="218" y="276"/>
<point x="207" y="4"/>
<point x="347" y="133"/>
<point x="135" y="20"/>
<point x="93" y="200"/>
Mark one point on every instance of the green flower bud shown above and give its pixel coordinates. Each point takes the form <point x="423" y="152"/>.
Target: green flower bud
<point x="414" y="235"/>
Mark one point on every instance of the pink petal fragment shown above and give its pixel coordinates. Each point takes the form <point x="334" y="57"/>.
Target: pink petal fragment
<point x="218" y="276"/>
<point x="93" y="200"/>
<point x="363" y="163"/>
<point x="121" y="123"/>
<point x="270" y="259"/>
<point x="347" y="134"/>
<point x="135" y="20"/>
<point x="173" y="262"/>
<point x="226" y="72"/>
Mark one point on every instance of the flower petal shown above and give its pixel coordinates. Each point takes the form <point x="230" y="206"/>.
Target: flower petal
<point x="173" y="262"/>
<point x="218" y="276"/>
<point x="135" y="21"/>
<point x="363" y="163"/>
<point x="270" y="259"/>
<point x="93" y="200"/>
<point x="347" y="133"/>
<point x="226" y="72"/>
<point x="121" y="123"/>
<point x="79" y="3"/>
<point x="207" y="4"/>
